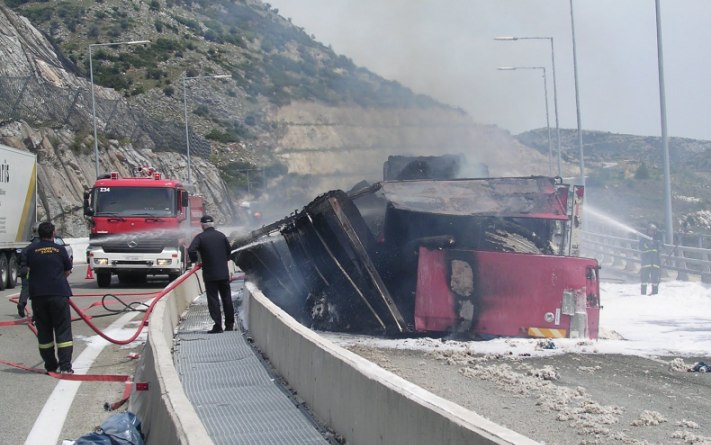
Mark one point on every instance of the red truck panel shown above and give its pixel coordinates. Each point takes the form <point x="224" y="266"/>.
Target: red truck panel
<point x="513" y="294"/>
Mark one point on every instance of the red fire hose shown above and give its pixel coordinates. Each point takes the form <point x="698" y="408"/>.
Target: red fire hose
<point x="87" y="319"/>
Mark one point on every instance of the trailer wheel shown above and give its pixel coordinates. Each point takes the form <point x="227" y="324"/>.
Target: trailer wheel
<point x="103" y="279"/>
<point x="4" y="272"/>
<point x="13" y="270"/>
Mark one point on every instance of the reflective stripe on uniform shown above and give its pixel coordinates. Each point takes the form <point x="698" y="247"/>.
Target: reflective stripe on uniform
<point x="65" y="344"/>
<point x="46" y="345"/>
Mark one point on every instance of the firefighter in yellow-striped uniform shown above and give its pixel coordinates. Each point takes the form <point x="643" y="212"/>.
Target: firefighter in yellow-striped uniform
<point x="650" y="247"/>
<point x="49" y="266"/>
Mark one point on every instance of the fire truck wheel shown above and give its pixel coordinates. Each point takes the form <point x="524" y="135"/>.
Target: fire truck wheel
<point x="4" y="272"/>
<point x="103" y="279"/>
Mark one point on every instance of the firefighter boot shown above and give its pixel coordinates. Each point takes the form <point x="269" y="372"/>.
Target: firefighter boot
<point x="655" y="289"/>
<point x="64" y="352"/>
<point x="644" y="289"/>
<point x="50" y="360"/>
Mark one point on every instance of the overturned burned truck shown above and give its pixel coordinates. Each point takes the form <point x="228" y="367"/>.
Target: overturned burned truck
<point x="479" y="257"/>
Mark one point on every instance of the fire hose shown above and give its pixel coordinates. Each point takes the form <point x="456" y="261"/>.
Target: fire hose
<point x="132" y="306"/>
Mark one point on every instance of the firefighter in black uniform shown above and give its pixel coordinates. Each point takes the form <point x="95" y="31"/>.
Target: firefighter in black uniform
<point x="49" y="267"/>
<point x="649" y="251"/>
<point x="25" y="289"/>
<point x="214" y="250"/>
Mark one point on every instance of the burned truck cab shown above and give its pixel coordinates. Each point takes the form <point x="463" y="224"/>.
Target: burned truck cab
<point x="489" y="257"/>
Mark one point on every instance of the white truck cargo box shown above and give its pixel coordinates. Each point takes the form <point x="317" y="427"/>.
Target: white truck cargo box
<point x="18" y="196"/>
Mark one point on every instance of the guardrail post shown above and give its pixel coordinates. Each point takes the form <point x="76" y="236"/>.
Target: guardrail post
<point x="681" y="274"/>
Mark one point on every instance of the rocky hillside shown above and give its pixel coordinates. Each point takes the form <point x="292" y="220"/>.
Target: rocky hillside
<point x="292" y="120"/>
<point x="289" y="120"/>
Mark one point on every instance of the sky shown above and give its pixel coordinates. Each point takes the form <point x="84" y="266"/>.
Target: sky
<point x="446" y="49"/>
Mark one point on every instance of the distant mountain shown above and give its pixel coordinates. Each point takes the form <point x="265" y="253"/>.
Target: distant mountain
<point x="625" y="175"/>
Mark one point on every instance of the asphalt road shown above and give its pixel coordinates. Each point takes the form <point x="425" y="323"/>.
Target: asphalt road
<point x="25" y="394"/>
<point x="593" y="399"/>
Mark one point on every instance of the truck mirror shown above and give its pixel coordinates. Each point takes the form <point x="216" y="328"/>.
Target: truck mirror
<point x="88" y="210"/>
<point x="184" y="199"/>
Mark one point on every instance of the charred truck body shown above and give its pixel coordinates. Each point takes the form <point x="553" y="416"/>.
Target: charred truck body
<point x="479" y="257"/>
<point x="139" y="226"/>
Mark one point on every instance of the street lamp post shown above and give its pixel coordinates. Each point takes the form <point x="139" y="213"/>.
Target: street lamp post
<point x="545" y="94"/>
<point x="93" y="98"/>
<point x="577" y="99"/>
<point x="665" y="138"/>
<point x="185" y="105"/>
<point x="555" y="87"/>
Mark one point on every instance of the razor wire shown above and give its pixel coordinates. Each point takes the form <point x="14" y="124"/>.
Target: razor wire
<point x="44" y="104"/>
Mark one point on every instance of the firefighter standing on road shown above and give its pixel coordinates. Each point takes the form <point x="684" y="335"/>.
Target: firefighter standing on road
<point x="214" y="250"/>
<point x="49" y="267"/>
<point x="25" y="289"/>
<point x="649" y="250"/>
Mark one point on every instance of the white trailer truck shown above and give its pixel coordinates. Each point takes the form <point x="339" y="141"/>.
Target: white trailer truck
<point x="18" y="209"/>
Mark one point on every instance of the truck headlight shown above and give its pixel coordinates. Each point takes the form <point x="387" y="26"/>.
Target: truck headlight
<point x="101" y="261"/>
<point x="164" y="262"/>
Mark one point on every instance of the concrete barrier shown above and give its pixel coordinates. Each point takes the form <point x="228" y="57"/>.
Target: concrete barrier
<point x="360" y="401"/>
<point x="166" y="414"/>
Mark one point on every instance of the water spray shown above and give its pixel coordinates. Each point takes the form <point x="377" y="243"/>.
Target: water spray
<point x="143" y="235"/>
<point x="613" y="222"/>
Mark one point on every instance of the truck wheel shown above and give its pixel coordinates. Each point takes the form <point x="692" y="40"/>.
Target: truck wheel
<point x="13" y="270"/>
<point x="103" y="279"/>
<point x="4" y="272"/>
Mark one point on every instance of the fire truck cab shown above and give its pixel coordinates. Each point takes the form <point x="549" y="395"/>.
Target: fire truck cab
<point x="140" y="226"/>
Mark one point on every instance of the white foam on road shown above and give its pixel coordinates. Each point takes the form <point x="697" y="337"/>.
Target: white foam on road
<point x="677" y="322"/>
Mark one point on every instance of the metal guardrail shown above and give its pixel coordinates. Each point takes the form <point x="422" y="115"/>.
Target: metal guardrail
<point x="623" y="253"/>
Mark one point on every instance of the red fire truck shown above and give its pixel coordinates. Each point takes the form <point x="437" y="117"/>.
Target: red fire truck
<point x="140" y="226"/>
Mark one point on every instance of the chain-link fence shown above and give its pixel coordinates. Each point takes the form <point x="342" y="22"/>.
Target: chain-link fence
<point x="43" y="104"/>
